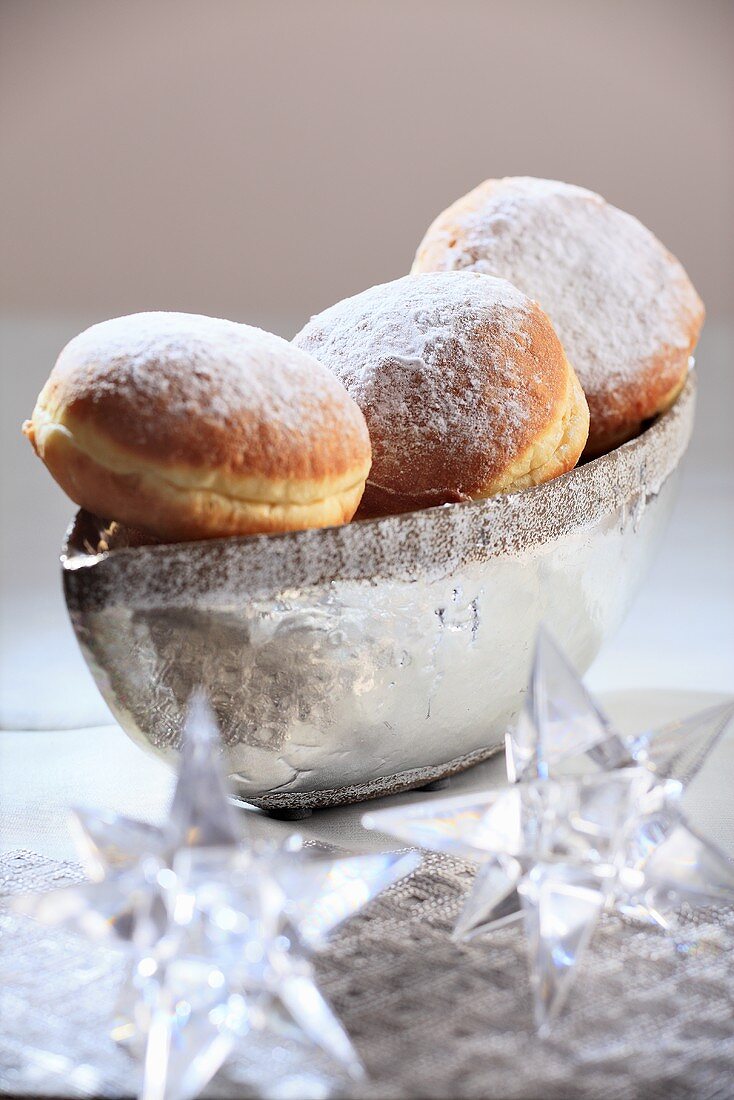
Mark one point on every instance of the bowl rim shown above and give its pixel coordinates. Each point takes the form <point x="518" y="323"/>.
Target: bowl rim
<point x="406" y="545"/>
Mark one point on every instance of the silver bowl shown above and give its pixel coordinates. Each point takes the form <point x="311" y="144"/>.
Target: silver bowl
<point x="355" y="661"/>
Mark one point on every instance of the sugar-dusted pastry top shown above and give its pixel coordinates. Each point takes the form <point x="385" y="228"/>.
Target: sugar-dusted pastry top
<point x="190" y="426"/>
<point x="463" y="383"/>
<point x="623" y="306"/>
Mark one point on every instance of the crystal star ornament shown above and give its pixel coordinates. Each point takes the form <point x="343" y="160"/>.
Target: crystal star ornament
<point x="593" y="820"/>
<point x="217" y="926"/>
<point x="561" y="730"/>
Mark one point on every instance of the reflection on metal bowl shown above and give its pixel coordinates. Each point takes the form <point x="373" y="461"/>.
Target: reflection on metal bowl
<point x="350" y="662"/>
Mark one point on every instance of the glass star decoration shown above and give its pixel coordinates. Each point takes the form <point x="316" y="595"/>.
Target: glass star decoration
<point x="592" y="820"/>
<point x="217" y="926"/>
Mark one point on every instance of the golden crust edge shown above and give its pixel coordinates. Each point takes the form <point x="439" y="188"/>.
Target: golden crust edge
<point x="610" y="432"/>
<point x="131" y="496"/>
<point x="553" y="452"/>
<point x="249" y="489"/>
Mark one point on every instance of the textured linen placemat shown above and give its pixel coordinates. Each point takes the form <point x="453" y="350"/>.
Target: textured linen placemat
<point x="650" y="1015"/>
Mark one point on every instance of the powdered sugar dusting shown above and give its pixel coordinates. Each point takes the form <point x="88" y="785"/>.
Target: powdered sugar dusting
<point x="179" y="379"/>
<point x="615" y="295"/>
<point x="451" y="371"/>
<point x="219" y="366"/>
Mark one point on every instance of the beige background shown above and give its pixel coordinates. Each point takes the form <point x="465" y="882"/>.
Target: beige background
<point x="259" y="159"/>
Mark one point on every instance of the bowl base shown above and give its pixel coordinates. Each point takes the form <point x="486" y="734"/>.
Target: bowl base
<point x="292" y="805"/>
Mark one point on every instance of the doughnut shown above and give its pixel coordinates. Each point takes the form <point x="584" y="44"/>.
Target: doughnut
<point x="623" y="306"/>
<point x="189" y="427"/>
<point x="464" y="385"/>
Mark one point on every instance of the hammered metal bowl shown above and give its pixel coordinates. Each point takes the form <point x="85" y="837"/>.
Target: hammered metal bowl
<point x="354" y="661"/>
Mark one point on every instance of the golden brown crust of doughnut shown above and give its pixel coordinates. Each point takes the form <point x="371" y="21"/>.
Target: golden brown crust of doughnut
<point x="623" y="306"/>
<point x="464" y="385"/>
<point x="620" y="417"/>
<point x="190" y="427"/>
